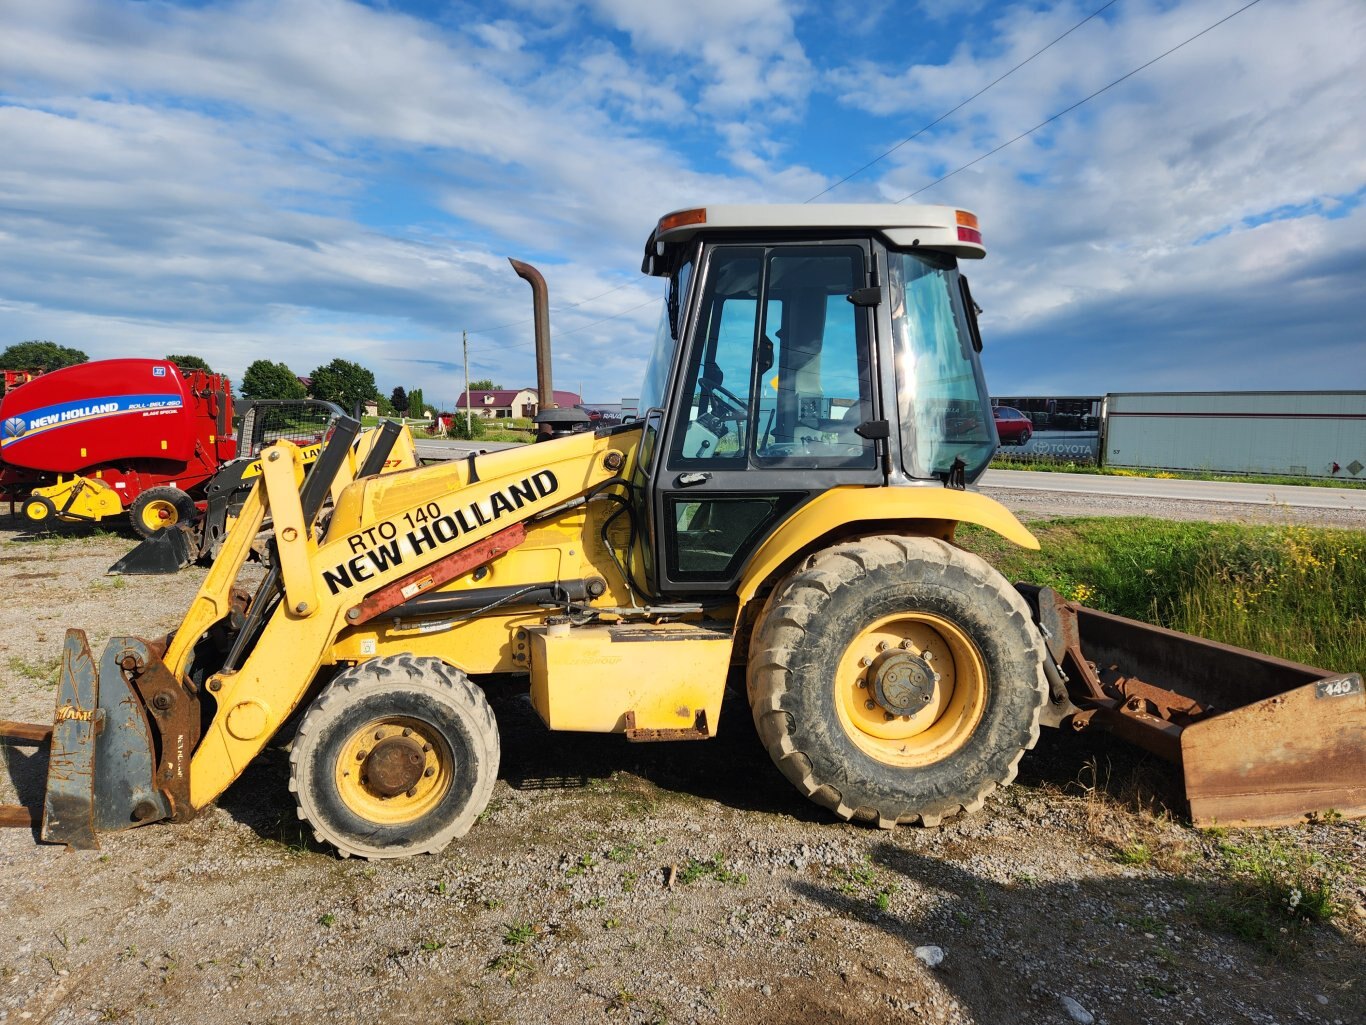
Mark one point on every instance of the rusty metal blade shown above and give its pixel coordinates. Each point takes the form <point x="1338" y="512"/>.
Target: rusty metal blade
<point x="1261" y="740"/>
<point x="1278" y="760"/>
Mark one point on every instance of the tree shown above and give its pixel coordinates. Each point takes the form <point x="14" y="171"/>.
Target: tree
<point x="399" y="400"/>
<point x="267" y="380"/>
<point x="36" y="355"/>
<point x="467" y="428"/>
<point x="345" y="383"/>
<point x="485" y="384"/>
<point x="415" y="406"/>
<point x="190" y="363"/>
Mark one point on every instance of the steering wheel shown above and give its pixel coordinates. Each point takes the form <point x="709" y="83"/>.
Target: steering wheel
<point x="722" y="404"/>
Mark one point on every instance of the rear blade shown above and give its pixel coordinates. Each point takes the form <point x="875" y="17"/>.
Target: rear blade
<point x="1261" y="740"/>
<point x="1276" y="761"/>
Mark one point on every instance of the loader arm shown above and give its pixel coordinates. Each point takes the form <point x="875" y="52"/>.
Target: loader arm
<point x="384" y="530"/>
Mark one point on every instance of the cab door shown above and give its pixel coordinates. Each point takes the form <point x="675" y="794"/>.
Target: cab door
<point x="770" y="405"/>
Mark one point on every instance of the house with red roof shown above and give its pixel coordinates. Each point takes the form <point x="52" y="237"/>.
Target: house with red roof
<point x="511" y="403"/>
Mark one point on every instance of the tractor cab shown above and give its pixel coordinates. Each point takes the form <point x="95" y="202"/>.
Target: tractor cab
<point x="840" y="349"/>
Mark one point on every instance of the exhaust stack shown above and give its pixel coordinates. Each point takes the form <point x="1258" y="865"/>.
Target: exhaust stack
<point x="550" y="420"/>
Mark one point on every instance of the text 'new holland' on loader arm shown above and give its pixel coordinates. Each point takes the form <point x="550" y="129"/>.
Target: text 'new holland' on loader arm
<point x="812" y="410"/>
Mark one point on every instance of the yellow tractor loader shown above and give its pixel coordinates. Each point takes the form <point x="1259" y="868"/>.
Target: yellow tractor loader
<point x="813" y="411"/>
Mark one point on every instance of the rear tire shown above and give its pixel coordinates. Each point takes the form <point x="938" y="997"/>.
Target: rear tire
<point x="397" y="756"/>
<point x="158" y="508"/>
<point x="842" y="643"/>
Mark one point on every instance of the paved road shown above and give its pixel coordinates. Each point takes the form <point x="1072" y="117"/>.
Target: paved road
<point x="445" y="448"/>
<point x="1296" y="497"/>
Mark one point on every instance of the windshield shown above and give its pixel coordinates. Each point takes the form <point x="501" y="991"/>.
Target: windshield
<point x="945" y="412"/>
<point x="652" y="390"/>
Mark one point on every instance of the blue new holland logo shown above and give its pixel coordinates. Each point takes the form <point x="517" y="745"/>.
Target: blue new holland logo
<point x="14" y="427"/>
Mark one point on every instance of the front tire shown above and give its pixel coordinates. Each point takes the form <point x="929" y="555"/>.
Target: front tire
<point x="896" y="679"/>
<point x="397" y="756"/>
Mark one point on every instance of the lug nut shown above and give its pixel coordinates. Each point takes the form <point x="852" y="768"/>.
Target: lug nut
<point x="426" y="748"/>
<point x="860" y="682"/>
<point x="865" y="662"/>
<point x="881" y="646"/>
<point x="429" y="772"/>
<point x="379" y="734"/>
<point x="888" y="716"/>
<point x="870" y="705"/>
<point x="905" y="644"/>
<point x="407" y="731"/>
<point x="361" y="755"/>
<point x="412" y="792"/>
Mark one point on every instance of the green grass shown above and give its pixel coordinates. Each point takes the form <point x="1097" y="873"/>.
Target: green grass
<point x="1276" y="890"/>
<point x="46" y="670"/>
<point x="1004" y="460"/>
<point x="1289" y="591"/>
<point x="714" y="868"/>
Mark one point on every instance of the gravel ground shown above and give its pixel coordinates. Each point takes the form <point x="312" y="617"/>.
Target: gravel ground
<point x="643" y="883"/>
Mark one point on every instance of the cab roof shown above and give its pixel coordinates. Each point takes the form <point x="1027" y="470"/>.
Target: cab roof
<point x="944" y="228"/>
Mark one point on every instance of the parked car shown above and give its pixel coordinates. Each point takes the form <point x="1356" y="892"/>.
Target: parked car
<point x="1012" y="426"/>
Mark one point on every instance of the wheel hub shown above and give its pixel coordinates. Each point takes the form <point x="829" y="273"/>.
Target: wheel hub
<point x="902" y="682"/>
<point x="394" y="766"/>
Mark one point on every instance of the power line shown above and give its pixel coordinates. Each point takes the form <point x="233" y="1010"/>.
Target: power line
<point x="937" y="181"/>
<point x="1074" y="106"/>
<point x="960" y="106"/>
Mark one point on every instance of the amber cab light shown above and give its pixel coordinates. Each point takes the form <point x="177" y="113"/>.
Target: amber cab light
<point x="671" y="221"/>
<point x="966" y="219"/>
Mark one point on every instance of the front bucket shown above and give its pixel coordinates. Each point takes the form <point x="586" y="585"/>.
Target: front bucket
<point x="1260" y="740"/>
<point x="102" y="760"/>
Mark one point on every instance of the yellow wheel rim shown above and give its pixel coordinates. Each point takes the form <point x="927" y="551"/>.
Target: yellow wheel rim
<point x="159" y="514"/>
<point x="394" y="770"/>
<point x="952" y="706"/>
<point x="36" y="511"/>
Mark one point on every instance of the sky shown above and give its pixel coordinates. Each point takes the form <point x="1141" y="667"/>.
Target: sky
<point x="299" y="180"/>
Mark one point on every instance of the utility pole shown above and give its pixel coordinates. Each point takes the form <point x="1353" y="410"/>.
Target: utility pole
<point x="469" y="419"/>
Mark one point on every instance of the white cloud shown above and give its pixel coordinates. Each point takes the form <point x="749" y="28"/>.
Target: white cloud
<point x="748" y="47"/>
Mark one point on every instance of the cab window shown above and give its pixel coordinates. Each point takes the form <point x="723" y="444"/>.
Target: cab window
<point x="779" y="371"/>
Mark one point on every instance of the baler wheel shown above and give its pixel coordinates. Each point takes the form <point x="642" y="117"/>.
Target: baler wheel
<point x="896" y="679"/>
<point x="158" y="508"/>
<point x="397" y="756"/>
<point x="39" y="511"/>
